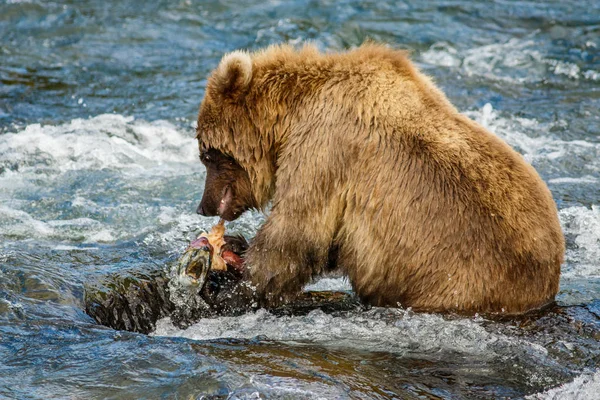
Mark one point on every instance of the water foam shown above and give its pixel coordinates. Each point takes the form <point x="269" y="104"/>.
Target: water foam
<point x="18" y="224"/>
<point x="94" y="180"/>
<point x="105" y="141"/>
<point x="583" y="387"/>
<point x="524" y="135"/>
<point x="582" y="224"/>
<point x="389" y="330"/>
<point x="515" y="61"/>
<point x="341" y="284"/>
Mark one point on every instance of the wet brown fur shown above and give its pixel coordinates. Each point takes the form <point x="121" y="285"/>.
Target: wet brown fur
<point x="369" y="166"/>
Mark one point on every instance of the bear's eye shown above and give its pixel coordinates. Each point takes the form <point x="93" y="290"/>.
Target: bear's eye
<point x="205" y="158"/>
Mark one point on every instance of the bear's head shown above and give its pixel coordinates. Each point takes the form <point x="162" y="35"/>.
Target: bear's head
<point x="227" y="189"/>
<point x="240" y="163"/>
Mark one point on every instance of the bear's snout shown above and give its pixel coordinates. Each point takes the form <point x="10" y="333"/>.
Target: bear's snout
<point x="205" y="209"/>
<point x="200" y="210"/>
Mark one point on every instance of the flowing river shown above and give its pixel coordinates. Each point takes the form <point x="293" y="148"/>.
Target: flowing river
<point x="99" y="173"/>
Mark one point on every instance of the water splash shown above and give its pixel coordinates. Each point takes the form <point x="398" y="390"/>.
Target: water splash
<point x="390" y="330"/>
<point x="108" y="141"/>
<point x="581" y="225"/>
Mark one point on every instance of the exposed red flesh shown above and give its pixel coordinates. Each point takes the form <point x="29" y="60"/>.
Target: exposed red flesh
<point x="233" y="260"/>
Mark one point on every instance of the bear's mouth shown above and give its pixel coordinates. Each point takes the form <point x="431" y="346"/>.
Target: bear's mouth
<point x="225" y="203"/>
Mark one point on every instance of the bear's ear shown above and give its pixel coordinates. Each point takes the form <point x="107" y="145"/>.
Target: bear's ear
<point x="233" y="75"/>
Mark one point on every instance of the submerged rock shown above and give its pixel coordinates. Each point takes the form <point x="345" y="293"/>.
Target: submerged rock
<point x="129" y="301"/>
<point x="135" y="301"/>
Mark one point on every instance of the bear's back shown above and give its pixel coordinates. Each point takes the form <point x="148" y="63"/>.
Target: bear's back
<point x="456" y="218"/>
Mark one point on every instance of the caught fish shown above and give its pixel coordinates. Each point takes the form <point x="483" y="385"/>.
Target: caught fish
<point x="211" y="251"/>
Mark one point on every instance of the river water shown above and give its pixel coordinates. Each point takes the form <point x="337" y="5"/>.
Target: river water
<point x="99" y="173"/>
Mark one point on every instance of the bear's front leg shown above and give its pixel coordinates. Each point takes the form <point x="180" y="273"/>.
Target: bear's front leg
<point x="285" y="254"/>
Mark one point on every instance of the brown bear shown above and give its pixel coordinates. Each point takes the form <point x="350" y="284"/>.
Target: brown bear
<point x="371" y="170"/>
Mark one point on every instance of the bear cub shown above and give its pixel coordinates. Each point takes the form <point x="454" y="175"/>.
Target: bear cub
<point x="371" y="170"/>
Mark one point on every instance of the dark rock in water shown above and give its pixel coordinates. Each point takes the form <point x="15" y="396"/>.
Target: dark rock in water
<point x="568" y="333"/>
<point x="135" y="301"/>
<point x="129" y="301"/>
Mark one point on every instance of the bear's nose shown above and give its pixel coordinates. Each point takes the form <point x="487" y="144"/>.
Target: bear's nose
<point x="200" y="210"/>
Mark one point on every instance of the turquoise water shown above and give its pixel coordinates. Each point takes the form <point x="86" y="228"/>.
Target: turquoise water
<point x="99" y="173"/>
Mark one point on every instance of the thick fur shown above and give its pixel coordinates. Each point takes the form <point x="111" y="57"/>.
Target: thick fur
<point x="370" y="167"/>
